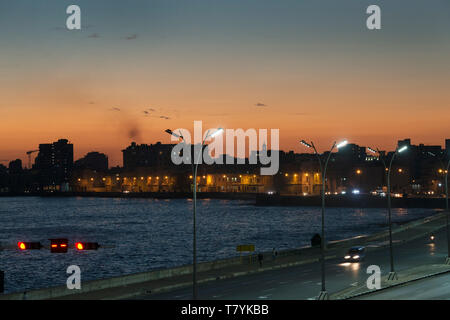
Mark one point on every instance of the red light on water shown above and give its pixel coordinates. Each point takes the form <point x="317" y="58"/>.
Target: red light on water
<point x="79" y="246"/>
<point x="22" y="245"/>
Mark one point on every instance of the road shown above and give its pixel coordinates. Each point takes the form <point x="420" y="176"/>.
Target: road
<point x="433" y="288"/>
<point x="304" y="282"/>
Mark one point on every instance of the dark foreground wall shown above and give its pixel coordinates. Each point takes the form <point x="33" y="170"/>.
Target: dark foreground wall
<point x="349" y="201"/>
<point x="263" y="199"/>
<point x="155" y="195"/>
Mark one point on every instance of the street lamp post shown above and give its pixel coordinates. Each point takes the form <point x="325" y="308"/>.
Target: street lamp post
<point x="447" y="213"/>
<point x="447" y="260"/>
<point x="323" y="295"/>
<point x="194" y="231"/>
<point x="392" y="274"/>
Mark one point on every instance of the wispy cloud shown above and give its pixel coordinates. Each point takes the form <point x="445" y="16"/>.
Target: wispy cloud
<point x="132" y="37"/>
<point x="148" y="111"/>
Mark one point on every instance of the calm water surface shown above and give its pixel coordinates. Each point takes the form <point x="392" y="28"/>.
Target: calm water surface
<point x="145" y="234"/>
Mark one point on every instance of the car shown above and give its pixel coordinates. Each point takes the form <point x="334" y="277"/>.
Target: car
<point x="355" y="254"/>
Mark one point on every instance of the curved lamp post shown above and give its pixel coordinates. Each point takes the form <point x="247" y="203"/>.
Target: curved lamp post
<point x="392" y="274"/>
<point x="194" y="231"/>
<point x="447" y="260"/>
<point x="323" y="295"/>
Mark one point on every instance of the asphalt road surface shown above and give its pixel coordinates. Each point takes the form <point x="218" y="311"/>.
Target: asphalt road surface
<point x="304" y="282"/>
<point x="433" y="288"/>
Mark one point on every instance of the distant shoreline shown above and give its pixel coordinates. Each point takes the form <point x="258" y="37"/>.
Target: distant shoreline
<point x="133" y="195"/>
<point x="259" y="199"/>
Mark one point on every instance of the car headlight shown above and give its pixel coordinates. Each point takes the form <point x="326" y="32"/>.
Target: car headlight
<point x="356" y="257"/>
<point x="347" y="257"/>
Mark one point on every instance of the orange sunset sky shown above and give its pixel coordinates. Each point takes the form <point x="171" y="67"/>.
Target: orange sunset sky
<point x="137" y="69"/>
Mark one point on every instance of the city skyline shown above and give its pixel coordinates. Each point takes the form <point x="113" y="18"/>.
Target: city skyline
<point x="135" y="70"/>
<point x="25" y="162"/>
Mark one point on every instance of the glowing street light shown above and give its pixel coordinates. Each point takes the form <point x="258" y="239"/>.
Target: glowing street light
<point x="342" y="144"/>
<point x="194" y="171"/>
<point x="323" y="295"/>
<point x="402" y="149"/>
<point x="216" y="133"/>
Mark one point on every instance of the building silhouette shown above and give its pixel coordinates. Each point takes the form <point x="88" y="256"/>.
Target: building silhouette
<point x="144" y="155"/>
<point x="94" y="161"/>
<point x="54" y="163"/>
<point x="15" y="166"/>
<point x="447" y="147"/>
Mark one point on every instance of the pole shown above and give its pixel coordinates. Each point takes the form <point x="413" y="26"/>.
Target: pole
<point x="392" y="275"/>
<point x="324" y="177"/>
<point x="194" y="240"/>
<point x="447" y="212"/>
<point x="323" y="294"/>
<point x="390" y="214"/>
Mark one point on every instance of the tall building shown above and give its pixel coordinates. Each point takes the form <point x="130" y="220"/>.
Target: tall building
<point x="403" y="143"/>
<point x="55" y="162"/>
<point x="447" y="147"/>
<point x="93" y="160"/>
<point x="15" y="166"/>
<point x="352" y="152"/>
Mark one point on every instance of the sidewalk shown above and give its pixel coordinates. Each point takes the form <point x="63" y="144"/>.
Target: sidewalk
<point x="288" y="258"/>
<point x="405" y="276"/>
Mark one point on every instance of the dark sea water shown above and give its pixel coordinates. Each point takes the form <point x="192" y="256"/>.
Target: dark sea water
<point x="146" y="234"/>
